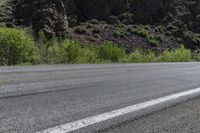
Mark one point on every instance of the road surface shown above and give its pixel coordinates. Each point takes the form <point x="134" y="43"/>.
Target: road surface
<point x="182" y="118"/>
<point x="35" y="98"/>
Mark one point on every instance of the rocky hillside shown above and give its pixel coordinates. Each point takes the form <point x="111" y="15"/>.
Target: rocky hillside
<point x="151" y="24"/>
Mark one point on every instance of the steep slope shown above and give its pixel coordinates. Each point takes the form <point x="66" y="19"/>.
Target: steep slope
<point x="5" y="10"/>
<point x="154" y="24"/>
<point x="139" y="11"/>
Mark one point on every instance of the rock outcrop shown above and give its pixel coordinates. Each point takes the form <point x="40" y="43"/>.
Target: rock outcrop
<point x="48" y="16"/>
<point x="53" y="16"/>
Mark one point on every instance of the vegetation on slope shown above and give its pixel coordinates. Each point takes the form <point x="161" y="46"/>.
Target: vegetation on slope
<point x="18" y="48"/>
<point x="158" y="27"/>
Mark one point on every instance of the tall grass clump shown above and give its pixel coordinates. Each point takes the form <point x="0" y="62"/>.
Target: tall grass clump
<point x="177" y="55"/>
<point x="16" y="47"/>
<point x="110" y="52"/>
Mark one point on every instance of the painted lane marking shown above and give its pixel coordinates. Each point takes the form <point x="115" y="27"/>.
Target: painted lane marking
<point x="65" y="128"/>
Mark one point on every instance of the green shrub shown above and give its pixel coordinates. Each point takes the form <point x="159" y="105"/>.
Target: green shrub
<point x="16" y="47"/>
<point x="53" y="54"/>
<point x="136" y="57"/>
<point x="144" y="31"/>
<point x="151" y="57"/>
<point x="177" y="55"/>
<point x="109" y="51"/>
<point x="139" y="56"/>
<point x="88" y="54"/>
<point x="56" y="52"/>
<point x="152" y="40"/>
<point x="69" y="51"/>
<point x="49" y="50"/>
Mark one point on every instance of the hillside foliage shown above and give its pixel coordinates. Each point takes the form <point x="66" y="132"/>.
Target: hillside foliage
<point x="121" y="30"/>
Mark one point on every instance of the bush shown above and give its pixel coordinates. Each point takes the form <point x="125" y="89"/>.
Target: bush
<point x="151" y="57"/>
<point x="139" y="56"/>
<point x="48" y="50"/>
<point x="136" y="57"/>
<point x="152" y="40"/>
<point x="16" y="47"/>
<point x="144" y="31"/>
<point x="88" y="54"/>
<point x="109" y="51"/>
<point x="177" y="55"/>
<point x="70" y="51"/>
<point x="56" y="52"/>
<point x="53" y="54"/>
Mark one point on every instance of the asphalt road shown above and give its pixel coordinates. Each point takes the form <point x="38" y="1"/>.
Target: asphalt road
<point x="182" y="118"/>
<point x="35" y="98"/>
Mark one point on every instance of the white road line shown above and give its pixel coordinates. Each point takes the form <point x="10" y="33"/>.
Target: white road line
<point x="65" y="128"/>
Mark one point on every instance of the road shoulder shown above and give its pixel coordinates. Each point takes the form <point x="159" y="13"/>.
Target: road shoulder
<point x="182" y="118"/>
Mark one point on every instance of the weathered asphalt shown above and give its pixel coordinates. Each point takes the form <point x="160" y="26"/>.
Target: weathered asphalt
<point x="34" y="98"/>
<point x="182" y="118"/>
